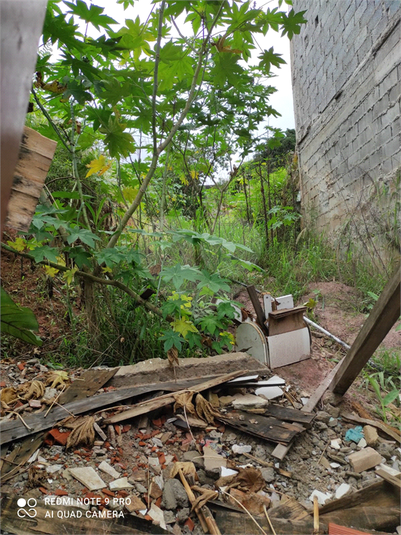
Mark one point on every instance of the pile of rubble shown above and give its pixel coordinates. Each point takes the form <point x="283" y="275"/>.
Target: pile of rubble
<point x="226" y="453"/>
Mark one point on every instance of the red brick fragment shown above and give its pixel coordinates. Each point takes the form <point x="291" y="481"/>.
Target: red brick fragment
<point x="21" y="366"/>
<point x="158" y="502"/>
<point x="126" y="428"/>
<point x="43" y="490"/>
<point x="117" y="429"/>
<point x="190" y="524"/>
<point x="2" y="384"/>
<point x="61" y="492"/>
<point x="162" y="458"/>
<point x="141" y="443"/>
<point x="107" y="444"/>
<point x="123" y="494"/>
<point x="108" y="492"/>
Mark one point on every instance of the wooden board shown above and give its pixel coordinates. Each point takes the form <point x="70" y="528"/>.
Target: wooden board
<point x="383" y="316"/>
<point x="389" y="477"/>
<point x="163" y="401"/>
<point x="35" y="156"/>
<point x="87" y="384"/>
<point x="253" y="296"/>
<point x="14" y="429"/>
<point x="290" y="415"/>
<point x="261" y="426"/>
<point x="231" y="523"/>
<point x="18" y="457"/>
<point x="284" y="321"/>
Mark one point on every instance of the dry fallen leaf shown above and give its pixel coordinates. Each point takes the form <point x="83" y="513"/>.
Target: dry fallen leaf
<point x="206" y="496"/>
<point x="172" y="355"/>
<point x="187" y="468"/>
<point x="57" y="378"/>
<point x="82" y="430"/>
<point x="184" y="401"/>
<point x="32" y="390"/>
<point x="8" y="395"/>
<point x="204" y="409"/>
<point x="248" y="479"/>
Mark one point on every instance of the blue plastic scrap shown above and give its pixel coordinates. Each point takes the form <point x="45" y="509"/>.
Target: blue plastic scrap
<point x="354" y="434"/>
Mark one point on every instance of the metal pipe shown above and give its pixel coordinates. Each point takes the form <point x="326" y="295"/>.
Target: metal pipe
<point x="327" y="333"/>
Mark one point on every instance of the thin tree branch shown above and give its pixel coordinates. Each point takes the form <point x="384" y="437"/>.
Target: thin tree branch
<point x="93" y="278"/>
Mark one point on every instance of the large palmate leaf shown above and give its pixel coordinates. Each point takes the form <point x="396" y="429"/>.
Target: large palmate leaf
<point x="18" y="321"/>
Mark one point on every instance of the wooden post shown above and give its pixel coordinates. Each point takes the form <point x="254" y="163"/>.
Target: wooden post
<point x="382" y="317"/>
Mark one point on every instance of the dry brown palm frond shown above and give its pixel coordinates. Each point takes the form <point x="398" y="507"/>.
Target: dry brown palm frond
<point x="32" y="390"/>
<point x="204" y="409"/>
<point x="82" y="430"/>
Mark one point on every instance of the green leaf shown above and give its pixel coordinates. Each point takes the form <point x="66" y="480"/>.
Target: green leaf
<point x="18" y="321"/>
<point x="110" y="257"/>
<point x="183" y="326"/>
<point x="226" y="69"/>
<point x="171" y="339"/>
<point x="179" y="274"/>
<point x="45" y="253"/>
<point x="225" y="308"/>
<point x="292" y="23"/>
<point x="268" y="58"/>
<point x="390" y="397"/>
<point x="214" y="282"/>
<point x="210" y="324"/>
<point x="117" y="141"/>
<point x="85" y="235"/>
<point x="80" y="256"/>
<point x="92" y="15"/>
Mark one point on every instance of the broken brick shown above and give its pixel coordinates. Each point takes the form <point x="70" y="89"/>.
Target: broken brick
<point x="61" y="492"/>
<point x="126" y="428"/>
<point x="190" y="524"/>
<point x="162" y="458"/>
<point x="108" y="492"/>
<point x="43" y="490"/>
<point x="21" y="366"/>
<point x="2" y="384"/>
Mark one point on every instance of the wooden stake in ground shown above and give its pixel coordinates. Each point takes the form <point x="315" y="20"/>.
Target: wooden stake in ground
<point x="384" y="314"/>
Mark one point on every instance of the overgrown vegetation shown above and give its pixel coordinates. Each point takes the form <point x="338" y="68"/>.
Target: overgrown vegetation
<point x="162" y="191"/>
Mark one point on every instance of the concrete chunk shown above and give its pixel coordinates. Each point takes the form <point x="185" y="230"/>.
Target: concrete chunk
<point x="371" y="435"/>
<point x="364" y="459"/>
<point x="88" y="477"/>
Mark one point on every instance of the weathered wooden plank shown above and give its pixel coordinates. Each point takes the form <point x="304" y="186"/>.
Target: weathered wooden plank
<point x="289" y="414"/>
<point x="163" y="401"/>
<point x="36" y="153"/>
<point x="380" y="493"/>
<point x="87" y="384"/>
<point x="14" y="462"/>
<point x="253" y="296"/>
<point x="230" y="522"/>
<point x="389" y="477"/>
<point x="14" y="429"/>
<point x="22" y="24"/>
<point x="384" y="314"/>
<point x="261" y="426"/>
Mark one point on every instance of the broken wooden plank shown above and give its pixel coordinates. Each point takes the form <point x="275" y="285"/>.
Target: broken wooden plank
<point x="35" y="156"/>
<point x="383" y="316"/>
<point x="253" y="296"/>
<point x="284" y="321"/>
<point x="163" y="401"/>
<point x="386" y="428"/>
<point x="368" y="517"/>
<point x="14" y="429"/>
<point x="281" y="451"/>
<point x="87" y="384"/>
<point x="379" y="493"/>
<point x="393" y="480"/>
<point x="19" y="456"/>
<point x="261" y="426"/>
<point x="231" y="522"/>
<point x="289" y="414"/>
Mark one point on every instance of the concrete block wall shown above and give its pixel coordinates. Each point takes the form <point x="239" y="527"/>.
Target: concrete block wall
<point x="346" y="74"/>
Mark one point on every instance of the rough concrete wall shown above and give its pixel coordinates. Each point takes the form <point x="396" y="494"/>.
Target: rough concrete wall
<point x="346" y="69"/>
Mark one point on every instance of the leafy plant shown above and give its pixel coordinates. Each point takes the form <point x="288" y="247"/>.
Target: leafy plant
<point x="19" y="322"/>
<point x="387" y="399"/>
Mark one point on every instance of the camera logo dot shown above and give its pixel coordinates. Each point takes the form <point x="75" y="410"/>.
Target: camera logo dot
<point x="30" y="504"/>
